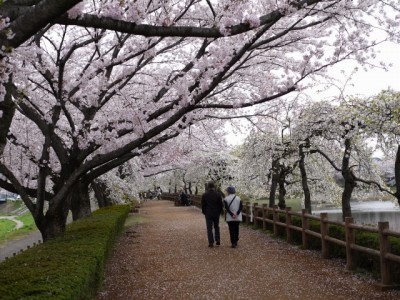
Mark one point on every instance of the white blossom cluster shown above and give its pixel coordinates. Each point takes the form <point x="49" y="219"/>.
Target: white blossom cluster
<point x="88" y="100"/>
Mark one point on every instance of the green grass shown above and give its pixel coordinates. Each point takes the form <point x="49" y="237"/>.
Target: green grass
<point x="8" y="231"/>
<point x="6" y="226"/>
<point x="295" y="204"/>
<point x="29" y="223"/>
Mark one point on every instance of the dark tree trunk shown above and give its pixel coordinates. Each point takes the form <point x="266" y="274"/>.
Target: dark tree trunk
<point x="274" y="182"/>
<point x="53" y="223"/>
<point x="80" y="201"/>
<point x="101" y="193"/>
<point x="274" y="185"/>
<point x="397" y="173"/>
<point x="282" y="193"/>
<point x="7" y="110"/>
<point x="190" y="188"/>
<point x="349" y="181"/>
<point x="304" y="181"/>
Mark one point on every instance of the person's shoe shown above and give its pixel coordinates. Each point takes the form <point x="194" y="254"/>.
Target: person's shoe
<point x="210" y="245"/>
<point x="218" y="243"/>
<point x="233" y="246"/>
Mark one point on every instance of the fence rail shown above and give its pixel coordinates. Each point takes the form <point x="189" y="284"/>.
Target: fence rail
<point x="258" y="216"/>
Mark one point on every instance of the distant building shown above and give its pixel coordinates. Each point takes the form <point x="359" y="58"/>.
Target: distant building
<point x="5" y="195"/>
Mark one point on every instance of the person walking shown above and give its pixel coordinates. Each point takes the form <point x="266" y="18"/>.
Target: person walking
<point x="233" y="206"/>
<point x="184" y="198"/>
<point x="159" y="193"/>
<point x="211" y="206"/>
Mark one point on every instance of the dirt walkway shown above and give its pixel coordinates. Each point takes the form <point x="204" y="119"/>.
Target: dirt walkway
<point x="166" y="256"/>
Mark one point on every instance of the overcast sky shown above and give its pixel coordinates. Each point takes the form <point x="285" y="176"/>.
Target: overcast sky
<point x="363" y="83"/>
<point x="371" y="82"/>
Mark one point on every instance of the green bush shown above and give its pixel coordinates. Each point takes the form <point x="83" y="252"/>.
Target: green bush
<point x="68" y="268"/>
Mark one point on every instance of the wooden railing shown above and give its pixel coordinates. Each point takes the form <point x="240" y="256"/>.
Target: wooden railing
<point x="259" y="216"/>
<point x="349" y="243"/>
<point x="196" y="199"/>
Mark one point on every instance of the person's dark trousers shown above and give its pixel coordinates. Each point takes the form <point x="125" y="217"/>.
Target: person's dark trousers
<point x="211" y="222"/>
<point x="234" y="231"/>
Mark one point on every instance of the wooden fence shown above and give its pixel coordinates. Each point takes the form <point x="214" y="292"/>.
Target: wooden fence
<point x="260" y="216"/>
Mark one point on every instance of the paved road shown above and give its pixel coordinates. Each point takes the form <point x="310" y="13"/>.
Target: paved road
<point x="15" y="246"/>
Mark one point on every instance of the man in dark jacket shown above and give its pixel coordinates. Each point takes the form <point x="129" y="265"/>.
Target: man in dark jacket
<point x="184" y="198"/>
<point x="211" y="206"/>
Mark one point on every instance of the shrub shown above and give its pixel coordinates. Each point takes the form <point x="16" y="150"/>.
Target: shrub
<point x="68" y="268"/>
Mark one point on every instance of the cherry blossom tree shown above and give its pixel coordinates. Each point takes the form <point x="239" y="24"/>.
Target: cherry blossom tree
<point x="321" y="140"/>
<point x="345" y="131"/>
<point x="381" y="116"/>
<point x="19" y="21"/>
<point x="266" y="154"/>
<point x="96" y="99"/>
<point x="189" y="161"/>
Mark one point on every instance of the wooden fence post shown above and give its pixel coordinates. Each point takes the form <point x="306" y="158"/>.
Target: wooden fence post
<point x="350" y="238"/>
<point x="384" y="248"/>
<point x="324" y="233"/>
<point x="289" y="235"/>
<point x="255" y="211"/>
<point x="275" y="219"/>
<point x="304" y="226"/>
<point x="264" y="216"/>
<point x="247" y="213"/>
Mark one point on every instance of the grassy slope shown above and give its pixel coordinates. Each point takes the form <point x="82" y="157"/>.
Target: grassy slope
<point x="7" y="231"/>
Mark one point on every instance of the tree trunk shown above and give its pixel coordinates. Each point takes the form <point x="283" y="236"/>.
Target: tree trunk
<point x="346" y="197"/>
<point x="274" y="185"/>
<point x="274" y="182"/>
<point x="7" y="110"/>
<point x="190" y="188"/>
<point x="304" y="181"/>
<point x="101" y="193"/>
<point x="80" y="201"/>
<point x="349" y="182"/>
<point x="53" y="223"/>
<point x="282" y="193"/>
<point x="397" y="174"/>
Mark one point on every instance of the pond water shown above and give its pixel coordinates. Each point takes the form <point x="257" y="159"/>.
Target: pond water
<point x="368" y="213"/>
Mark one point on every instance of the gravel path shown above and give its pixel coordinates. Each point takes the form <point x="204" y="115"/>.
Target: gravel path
<point x="166" y="256"/>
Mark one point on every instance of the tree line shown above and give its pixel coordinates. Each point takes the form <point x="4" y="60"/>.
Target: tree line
<point x="88" y="85"/>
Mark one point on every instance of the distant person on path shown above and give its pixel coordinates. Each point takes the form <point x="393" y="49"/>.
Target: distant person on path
<point x="211" y="206"/>
<point x="159" y="192"/>
<point x="233" y="205"/>
<point x="184" y="198"/>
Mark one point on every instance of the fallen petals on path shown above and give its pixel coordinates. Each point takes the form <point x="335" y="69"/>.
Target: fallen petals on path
<point x="168" y="258"/>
